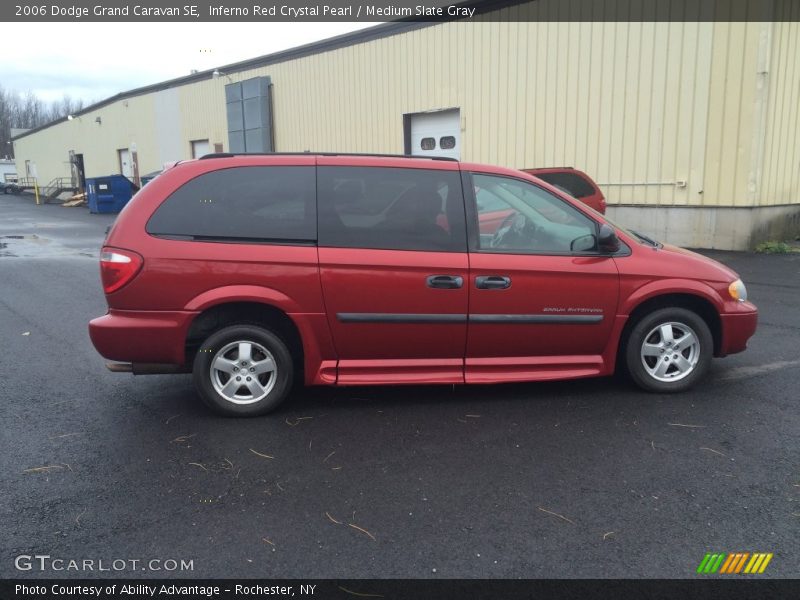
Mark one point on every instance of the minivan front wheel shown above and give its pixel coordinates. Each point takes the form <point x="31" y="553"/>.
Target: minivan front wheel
<point x="243" y="370"/>
<point x="669" y="350"/>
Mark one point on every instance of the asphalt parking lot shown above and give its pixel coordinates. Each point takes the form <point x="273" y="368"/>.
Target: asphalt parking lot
<point x="589" y="478"/>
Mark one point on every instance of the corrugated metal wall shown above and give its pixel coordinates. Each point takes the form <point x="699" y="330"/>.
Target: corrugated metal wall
<point x="731" y="114"/>
<point x="202" y="109"/>
<point x="627" y="102"/>
<point x="780" y="180"/>
<point x="640" y="106"/>
<point x="123" y="122"/>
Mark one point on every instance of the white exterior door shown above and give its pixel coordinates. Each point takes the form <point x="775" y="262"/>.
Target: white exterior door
<point x="436" y="133"/>
<point x="200" y="148"/>
<point x="125" y="163"/>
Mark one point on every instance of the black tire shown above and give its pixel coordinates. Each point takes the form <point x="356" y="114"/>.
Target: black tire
<point x="275" y="385"/>
<point x="678" y="376"/>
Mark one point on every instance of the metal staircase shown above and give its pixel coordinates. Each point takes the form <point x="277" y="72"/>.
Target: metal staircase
<point x="56" y="187"/>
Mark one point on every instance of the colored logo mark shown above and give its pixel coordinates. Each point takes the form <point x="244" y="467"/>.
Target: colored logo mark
<point x="734" y="562"/>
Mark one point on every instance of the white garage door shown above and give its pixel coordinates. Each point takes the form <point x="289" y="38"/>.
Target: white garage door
<point x="436" y="134"/>
<point x="200" y="148"/>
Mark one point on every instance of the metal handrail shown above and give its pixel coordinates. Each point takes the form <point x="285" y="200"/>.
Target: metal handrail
<point x="26" y="182"/>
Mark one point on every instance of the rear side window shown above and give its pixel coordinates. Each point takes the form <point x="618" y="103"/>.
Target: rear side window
<point x="572" y="183"/>
<point x="242" y="203"/>
<point x="391" y="208"/>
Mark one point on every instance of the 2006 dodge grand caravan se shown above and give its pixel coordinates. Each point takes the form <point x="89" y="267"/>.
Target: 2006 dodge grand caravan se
<point x="253" y="270"/>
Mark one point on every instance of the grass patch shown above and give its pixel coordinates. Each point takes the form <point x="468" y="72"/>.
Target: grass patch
<point x="773" y="248"/>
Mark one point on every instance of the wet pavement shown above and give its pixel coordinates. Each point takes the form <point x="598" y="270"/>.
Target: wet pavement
<point x="48" y="230"/>
<point x="589" y="478"/>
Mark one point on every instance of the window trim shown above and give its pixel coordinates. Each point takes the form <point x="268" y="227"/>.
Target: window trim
<point x="222" y="239"/>
<point x="473" y="227"/>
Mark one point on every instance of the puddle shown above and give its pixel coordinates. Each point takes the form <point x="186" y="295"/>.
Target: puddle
<point x="34" y="246"/>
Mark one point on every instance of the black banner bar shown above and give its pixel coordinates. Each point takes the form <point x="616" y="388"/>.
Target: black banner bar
<point x="731" y="588"/>
<point x="264" y="11"/>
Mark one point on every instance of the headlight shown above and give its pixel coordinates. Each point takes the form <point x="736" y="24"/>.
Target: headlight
<point x="738" y="291"/>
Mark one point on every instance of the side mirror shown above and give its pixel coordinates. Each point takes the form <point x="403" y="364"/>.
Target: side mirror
<point x="607" y="240"/>
<point x="585" y="243"/>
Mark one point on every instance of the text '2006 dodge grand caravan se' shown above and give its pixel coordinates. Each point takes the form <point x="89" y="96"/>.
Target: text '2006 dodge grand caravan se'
<point x="253" y="270"/>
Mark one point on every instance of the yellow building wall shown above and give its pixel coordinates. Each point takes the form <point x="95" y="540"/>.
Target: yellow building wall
<point x="659" y="113"/>
<point x="780" y="177"/>
<point x="627" y="102"/>
<point x="202" y="111"/>
<point x="732" y="120"/>
<point x="121" y="123"/>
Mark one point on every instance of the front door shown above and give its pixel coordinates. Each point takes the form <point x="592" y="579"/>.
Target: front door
<point x="542" y="300"/>
<point x="80" y="173"/>
<point x="393" y="264"/>
<point x="125" y="163"/>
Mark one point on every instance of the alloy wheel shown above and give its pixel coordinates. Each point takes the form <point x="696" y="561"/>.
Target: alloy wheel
<point x="243" y="372"/>
<point x="670" y="351"/>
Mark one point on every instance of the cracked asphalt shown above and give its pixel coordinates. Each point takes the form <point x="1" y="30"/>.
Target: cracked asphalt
<point x="587" y="478"/>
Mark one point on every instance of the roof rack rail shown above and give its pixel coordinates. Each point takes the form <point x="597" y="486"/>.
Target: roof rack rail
<point x="365" y="154"/>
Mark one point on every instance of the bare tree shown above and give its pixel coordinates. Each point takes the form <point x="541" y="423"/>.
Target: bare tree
<point x="64" y="107"/>
<point x="18" y="111"/>
<point x="6" y="120"/>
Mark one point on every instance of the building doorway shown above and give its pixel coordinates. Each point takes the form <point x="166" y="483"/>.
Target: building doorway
<point x="78" y="173"/>
<point x="435" y="133"/>
<point x="125" y="163"/>
<point x="200" y="148"/>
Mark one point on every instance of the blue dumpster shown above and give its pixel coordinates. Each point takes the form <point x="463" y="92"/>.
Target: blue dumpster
<point x="108" y="194"/>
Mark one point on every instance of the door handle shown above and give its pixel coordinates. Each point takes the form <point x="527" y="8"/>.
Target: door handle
<point x="445" y="282"/>
<point x="492" y="282"/>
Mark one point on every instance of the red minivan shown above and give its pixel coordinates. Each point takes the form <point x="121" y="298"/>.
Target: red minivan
<point x="257" y="271"/>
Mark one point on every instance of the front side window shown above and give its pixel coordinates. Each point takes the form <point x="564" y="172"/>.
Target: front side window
<point x="516" y="216"/>
<point x="391" y="208"/>
<point x="242" y="203"/>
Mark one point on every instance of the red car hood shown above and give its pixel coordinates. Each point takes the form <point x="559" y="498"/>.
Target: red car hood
<point x="706" y="267"/>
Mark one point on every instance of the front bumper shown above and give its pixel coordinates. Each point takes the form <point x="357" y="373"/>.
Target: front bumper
<point x="737" y="328"/>
<point x="142" y="337"/>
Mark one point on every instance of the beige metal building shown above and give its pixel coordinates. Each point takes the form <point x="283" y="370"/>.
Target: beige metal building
<point x="691" y="128"/>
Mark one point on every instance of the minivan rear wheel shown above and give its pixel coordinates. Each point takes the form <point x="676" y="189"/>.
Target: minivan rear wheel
<point x="243" y="371"/>
<point x="669" y="350"/>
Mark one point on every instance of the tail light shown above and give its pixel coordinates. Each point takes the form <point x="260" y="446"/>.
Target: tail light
<point x="118" y="267"/>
